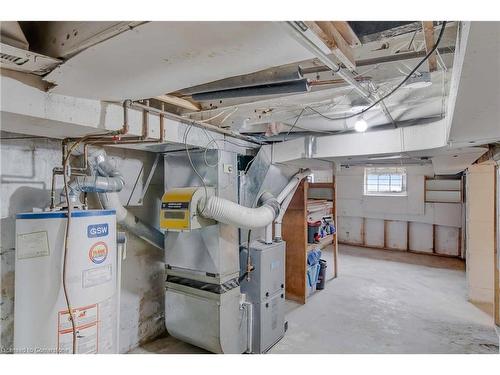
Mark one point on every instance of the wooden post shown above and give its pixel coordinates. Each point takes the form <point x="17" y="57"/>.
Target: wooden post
<point x="295" y="234"/>
<point x="428" y="30"/>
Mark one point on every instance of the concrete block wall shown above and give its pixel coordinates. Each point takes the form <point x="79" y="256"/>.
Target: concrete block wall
<point x="480" y="219"/>
<point x="25" y="184"/>
<point x="396" y="222"/>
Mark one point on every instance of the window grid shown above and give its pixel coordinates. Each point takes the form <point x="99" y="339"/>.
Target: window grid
<point x="385" y="181"/>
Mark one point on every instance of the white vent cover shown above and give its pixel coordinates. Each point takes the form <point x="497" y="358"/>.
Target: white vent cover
<point x="25" y="61"/>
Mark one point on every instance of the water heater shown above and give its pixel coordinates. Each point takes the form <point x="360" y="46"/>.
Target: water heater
<point x="41" y="318"/>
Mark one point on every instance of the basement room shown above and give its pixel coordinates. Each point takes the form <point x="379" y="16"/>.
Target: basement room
<point x="223" y="183"/>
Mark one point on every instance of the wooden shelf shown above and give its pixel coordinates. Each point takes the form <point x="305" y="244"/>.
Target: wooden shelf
<point x="294" y="232"/>
<point x="324" y="242"/>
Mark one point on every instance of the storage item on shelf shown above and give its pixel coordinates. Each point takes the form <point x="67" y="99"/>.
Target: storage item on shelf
<point x="321" y="275"/>
<point x="312" y="229"/>
<point x="313" y="257"/>
<point x="312" y="277"/>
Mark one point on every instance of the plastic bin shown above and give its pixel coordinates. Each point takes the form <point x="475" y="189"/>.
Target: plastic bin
<point x="312" y="229"/>
<point x="321" y="275"/>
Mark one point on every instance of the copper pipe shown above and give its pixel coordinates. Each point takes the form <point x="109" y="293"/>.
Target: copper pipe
<point x="188" y="121"/>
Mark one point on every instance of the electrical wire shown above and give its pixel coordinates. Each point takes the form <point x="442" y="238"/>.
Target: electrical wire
<point x="295" y="123"/>
<point x="218" y="115"/>
<point x="66" y="236"/>
<point x="186" y="133"/>
<point x="66" y="241"/>
<point x="394" y="89"/>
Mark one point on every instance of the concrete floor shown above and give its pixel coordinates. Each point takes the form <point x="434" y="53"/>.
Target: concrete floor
<point x="382" y="302"/>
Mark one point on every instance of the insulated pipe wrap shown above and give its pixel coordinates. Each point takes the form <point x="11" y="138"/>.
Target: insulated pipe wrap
<point x="228" y="212"/>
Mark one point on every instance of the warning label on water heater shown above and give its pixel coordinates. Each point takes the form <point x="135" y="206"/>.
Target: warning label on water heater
<point x="86" y="320"/>
<point x="96" y="276"/>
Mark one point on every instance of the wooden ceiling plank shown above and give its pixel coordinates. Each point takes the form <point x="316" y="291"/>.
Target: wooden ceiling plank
<point x="428" y="30"/>
<point x="347" y="32"/>
<point x="179" y="102"/>
<point x="334" y="40"/>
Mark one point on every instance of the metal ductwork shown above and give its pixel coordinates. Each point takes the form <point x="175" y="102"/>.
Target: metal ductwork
<point x="107" y="181"/>
<point x="289" y="87"/>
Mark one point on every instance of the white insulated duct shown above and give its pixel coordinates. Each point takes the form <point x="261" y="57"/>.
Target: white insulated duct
<point x="228" y="212"/>
<point x="231" y="213"/>
<point x="292" y="184"/>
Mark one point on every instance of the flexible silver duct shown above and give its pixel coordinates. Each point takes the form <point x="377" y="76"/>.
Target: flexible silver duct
<point x="228" y="212"/>
<point x="107" y="182"/>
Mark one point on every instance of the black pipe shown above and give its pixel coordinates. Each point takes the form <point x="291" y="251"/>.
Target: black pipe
<point x="297" y="86"/>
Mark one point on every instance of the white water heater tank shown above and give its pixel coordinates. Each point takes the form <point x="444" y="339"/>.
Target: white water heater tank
<point x="41" y="317"/>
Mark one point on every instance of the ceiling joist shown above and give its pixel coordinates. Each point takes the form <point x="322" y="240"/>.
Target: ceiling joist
<point x="179" y="102"/>
<point x="326" y="31"/>
<point x="428" y="30"/>
<point x="347" y="32"/>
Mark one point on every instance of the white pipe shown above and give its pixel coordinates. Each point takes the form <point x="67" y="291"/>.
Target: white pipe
<point x="279" y="220"/>
<point x="290" y="189"/>
<point x="292" y="184"/>
<point x="228" y="212"/>
<point x="268" y="239"/>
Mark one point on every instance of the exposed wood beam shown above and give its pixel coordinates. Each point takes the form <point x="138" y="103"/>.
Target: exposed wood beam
<point x="334" y="40"/>
<point x="382" y="59"/>
<point x="347" y="32"/>
<point x="179" y="102"/>
<point x="428" y="29"/>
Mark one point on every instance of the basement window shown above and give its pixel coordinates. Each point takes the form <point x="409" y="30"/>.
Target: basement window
<point x="385" y="181"/>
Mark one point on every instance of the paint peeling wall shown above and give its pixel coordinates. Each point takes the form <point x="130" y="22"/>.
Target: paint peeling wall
<point x="25" y="184"/>
<point x="394" y="222"/>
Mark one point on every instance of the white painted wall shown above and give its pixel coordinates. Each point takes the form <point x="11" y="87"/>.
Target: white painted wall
<point x="480" y="218"/>
<point x="355" y="211"/>
<point x="25" y="183"/>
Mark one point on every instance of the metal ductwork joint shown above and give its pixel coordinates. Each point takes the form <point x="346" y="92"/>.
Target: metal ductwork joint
<point x="107" y="181"/>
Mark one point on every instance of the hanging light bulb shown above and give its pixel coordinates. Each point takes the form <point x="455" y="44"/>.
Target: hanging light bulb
<point x="360" y="125"/>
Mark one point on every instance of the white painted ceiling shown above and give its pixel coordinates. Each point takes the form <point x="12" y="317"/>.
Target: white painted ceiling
<point x="160" y="57"/>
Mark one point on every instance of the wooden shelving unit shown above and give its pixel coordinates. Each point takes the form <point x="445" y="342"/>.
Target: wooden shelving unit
<point x="295" y="234"/>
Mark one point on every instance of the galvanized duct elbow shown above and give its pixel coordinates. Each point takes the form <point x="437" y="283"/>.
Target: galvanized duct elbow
<point x="228" y="212"/>
<point x="124" y="217"/>
<point x="107" y="182"/>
